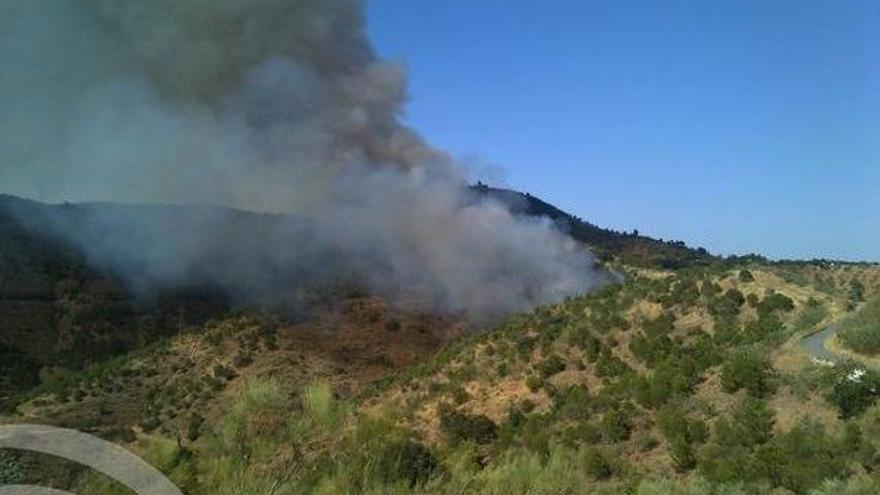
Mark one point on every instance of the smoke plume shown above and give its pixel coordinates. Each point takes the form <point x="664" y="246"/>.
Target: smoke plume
<point x="262" y="105"/>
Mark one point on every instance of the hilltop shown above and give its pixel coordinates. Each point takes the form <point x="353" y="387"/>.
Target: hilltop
<point x="630" y="248"/>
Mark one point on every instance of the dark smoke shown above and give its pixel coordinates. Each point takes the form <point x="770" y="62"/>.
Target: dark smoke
<point x="263" y="105"/>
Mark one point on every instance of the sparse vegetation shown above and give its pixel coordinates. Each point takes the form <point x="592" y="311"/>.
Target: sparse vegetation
<point x="861" y="331"/>
<point x="668" y="375"/>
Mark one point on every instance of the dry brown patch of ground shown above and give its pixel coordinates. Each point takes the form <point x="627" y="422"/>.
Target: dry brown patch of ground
<point x="791" y="409"/>
<point x="496" y="400"/>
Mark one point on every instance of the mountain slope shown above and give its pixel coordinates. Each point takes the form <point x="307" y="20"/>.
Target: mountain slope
<point x="59" y="306"/>
<point x="644" y="383"/>
<point x="630" y="248"/>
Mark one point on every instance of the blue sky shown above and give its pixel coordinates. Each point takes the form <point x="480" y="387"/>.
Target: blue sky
<point x="739" y="126"/>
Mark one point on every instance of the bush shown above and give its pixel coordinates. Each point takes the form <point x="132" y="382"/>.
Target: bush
<point x="735" y="297"/>
<point x="407" y="461"/>
<point x="855" y="389"/>
<point x="608" y="365"/>
<point x="856" y="291"/>
<point x="752" y="300"/>
<point x="242" y="360"/>
<point x="11" y="470"/>
<point x="534" y="383"/>
<point x="811" y="316"/>
<point x="672" y="378"/>
<point x="459" y="394"/>
<point x="731" y="456"/>
<point x="746" y="276"/>
<point x="682" y="454"/>
<point x="861" y="332"/>
<point x="150" y="423"/>
<point x="775" y="302"/>
<point x="222" y="372"/>
<point x="462" y="427"/>
<point x="767" y="326"/>
<point x="597" y="465"/>
<point x="616" y="425"/>
<point x="194" y="427"/>
<point x="551" y="366"/>
<point x="673" y="423"/>
<point x="801" y="458"/>
<point x="750" y="424"/>
<point x="572" y="403"/>
<point x="747" y="369"/>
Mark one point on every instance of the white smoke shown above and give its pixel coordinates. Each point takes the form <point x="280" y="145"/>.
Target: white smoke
<point x="263" y="105"/>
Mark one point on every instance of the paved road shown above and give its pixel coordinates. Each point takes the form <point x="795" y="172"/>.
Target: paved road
<point x="815" y="344"/>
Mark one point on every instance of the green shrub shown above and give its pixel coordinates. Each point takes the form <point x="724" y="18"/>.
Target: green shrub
<point x="674" y="423"/>
<point x="682" y="454"/>
<point x="551" y="366"/>
<point x="459" y="394"/>
<point x="801" y="458"/>
<point x="572" y="403"/>
<point x="752" y="300"/>
<point x="597" y="465"/>
<point x="861" y="332"/>
<point x="674" y="377"/>
<point x="767" y="327"/>
<point x="194" y="427"/>
<point x="747" y="369"/>
<point x="856" y="290"/>
<point x="775" y="302"/>
<point x="407" y="461"/>
<point x="12" y="471"/>
<point x="150" y="423"/>
<point x="242" y="360"/>
<point x="616" y="425"/>
<point x="462" y="427"/>
<point x="855" y="389"/>
<point x="525" y="345"/>
<point x="222" y="372"/>
<point x="608" y="365"/>
<point x="735" y="297"/>
<point x="750" y="424"/>
<point x="534" y="383"/>
<point x="731" y="457"/>
<point x="592" y="349"/>
<point x="811" y="316"/>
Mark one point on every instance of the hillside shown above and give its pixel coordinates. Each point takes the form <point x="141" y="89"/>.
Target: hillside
<point x="59" y="307"/>
<point x="630" y="248"/>
<point x="650" y="383"/>
<point x="689" y="380"/>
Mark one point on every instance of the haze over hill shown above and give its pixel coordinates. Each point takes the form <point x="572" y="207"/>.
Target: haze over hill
<point x="266" y="106"/>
